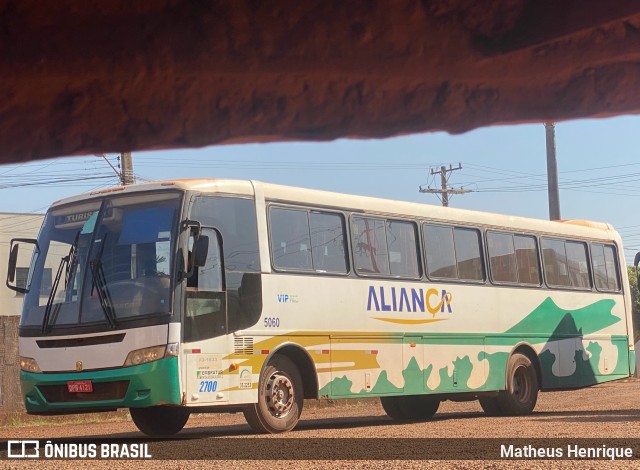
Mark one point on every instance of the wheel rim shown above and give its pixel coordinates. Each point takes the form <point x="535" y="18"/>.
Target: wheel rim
<point x="521" y="385"/>
<point x="279" y="394"/>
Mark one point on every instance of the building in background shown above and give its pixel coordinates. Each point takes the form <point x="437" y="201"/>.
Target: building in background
<point x="16" y="226"/>
<point x="13" y="226"/>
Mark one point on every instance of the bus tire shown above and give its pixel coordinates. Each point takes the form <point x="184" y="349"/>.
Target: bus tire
<point x="521" y="394"/>
<point x="392" y="408"/>
<point x="413" y="407"/>
<point x="491" y="406"/>
<point x="280" y="398"/>
<point x="157" y="421"/>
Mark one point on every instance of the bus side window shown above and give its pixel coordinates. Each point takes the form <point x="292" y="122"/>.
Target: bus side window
<point x="502" y="257"/>
<point x="290" y="241"/>
<point x="599" y="266"/>
<point x="440" y="252"/>
<point x="402" y="247"/>
<point x="468" y="253"/>
<point x="555" y="262"/>
<point x="527" y="259"/>
<point x="611" y="265"/>
<point x="369" y="241"/>
<point x="578" y="264"/>
<point x="453" y="252"/>
<point x="328" y="242"/>
<point x="566" y="263"/>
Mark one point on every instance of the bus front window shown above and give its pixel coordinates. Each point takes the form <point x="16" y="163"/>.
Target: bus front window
<point x="110" y="260"/>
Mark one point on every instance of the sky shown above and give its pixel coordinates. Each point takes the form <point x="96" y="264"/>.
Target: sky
<point x="504" y="167"/>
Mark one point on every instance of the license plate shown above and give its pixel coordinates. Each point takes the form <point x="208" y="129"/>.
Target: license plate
<point x="80" y="386"/>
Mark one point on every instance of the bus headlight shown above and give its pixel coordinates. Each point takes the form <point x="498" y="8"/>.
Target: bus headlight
<point x="28" y="364"/>
<point x="173" y="350"/>
<point x="154" y="353"/>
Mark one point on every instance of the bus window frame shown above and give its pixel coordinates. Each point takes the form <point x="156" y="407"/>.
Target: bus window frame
<point x="345" y="240"/>
<point x="308" y="210"/>
<point x="587" y="243"/>
<point x="384" y="219"/>
<point x="616" y="258"/>
<point x="197" y="293"/>
<point x="481" y="243"/>
<point x="541" y="282"/>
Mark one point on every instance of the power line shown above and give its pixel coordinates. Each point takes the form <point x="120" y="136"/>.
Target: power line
<point x="52" y="182"/>
<point x="266" y="164"/>
<point x="445" y="190"/>
<point x="102" y="155"/>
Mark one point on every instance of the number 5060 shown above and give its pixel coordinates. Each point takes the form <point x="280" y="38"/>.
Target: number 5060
<point x="271" y="322"/>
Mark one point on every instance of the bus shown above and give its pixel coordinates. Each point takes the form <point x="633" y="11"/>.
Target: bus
<point x="214" y="295"/>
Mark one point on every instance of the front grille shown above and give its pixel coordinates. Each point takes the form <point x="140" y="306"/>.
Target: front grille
<point x="76" y="342"/>
<point x="101" y="391"/>
<point x="243" y="346"/>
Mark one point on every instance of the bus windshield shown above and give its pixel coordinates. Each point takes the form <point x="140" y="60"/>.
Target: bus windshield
<point x="103" y="261"/>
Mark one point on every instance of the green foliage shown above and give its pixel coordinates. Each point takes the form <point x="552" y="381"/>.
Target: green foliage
<point x="635" y="302"/>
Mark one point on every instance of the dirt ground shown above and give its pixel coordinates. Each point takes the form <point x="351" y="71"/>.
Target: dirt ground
<point x="608" y="413"/>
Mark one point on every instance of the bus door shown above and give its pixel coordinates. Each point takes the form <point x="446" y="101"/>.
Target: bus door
<point x="205" y="322"/>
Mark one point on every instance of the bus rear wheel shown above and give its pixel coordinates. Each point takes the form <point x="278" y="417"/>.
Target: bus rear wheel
<point x="522" y="387"/>
<point x="280" y="398"/>
<point x="491" y="406"/>
<point x="411" y="407"/>
<point x="158" y="421"/>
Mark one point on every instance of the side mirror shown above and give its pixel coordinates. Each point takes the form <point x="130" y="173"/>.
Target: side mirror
<point x="200" y="251"/>
<point x="197" y="255"/>
<point x="636" y="260"/>
<point x="13" y="262"/>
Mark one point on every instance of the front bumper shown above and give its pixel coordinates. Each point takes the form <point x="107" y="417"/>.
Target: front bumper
<point x="154" y="383"/>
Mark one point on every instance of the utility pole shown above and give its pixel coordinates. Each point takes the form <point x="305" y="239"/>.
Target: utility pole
<point x="552" y="172"/>
<point x="444" y="179"/>
<point x="126" y="173"/>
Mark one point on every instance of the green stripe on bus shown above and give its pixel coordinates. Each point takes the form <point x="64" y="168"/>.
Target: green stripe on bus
<point x="150" y="384"/>
<point x="586" y="373"/>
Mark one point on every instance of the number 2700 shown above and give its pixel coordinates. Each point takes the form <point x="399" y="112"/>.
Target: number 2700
<point x="208" y="386"/>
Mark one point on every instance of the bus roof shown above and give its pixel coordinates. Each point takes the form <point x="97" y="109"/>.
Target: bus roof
<point x="365" y="204"/>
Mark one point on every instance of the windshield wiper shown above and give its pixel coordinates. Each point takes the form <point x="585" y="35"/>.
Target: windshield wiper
<point x="100" y="284"/>
<point x="70" y="262"/>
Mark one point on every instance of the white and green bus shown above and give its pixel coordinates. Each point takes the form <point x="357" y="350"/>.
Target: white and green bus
<point x="214" y="295"/>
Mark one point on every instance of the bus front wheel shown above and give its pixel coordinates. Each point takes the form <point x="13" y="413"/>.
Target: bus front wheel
<point x="410" y="407"/>
<point x="280" y="398"/>
<point x="522" y="387"/>
<point x="158" y="421"/>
